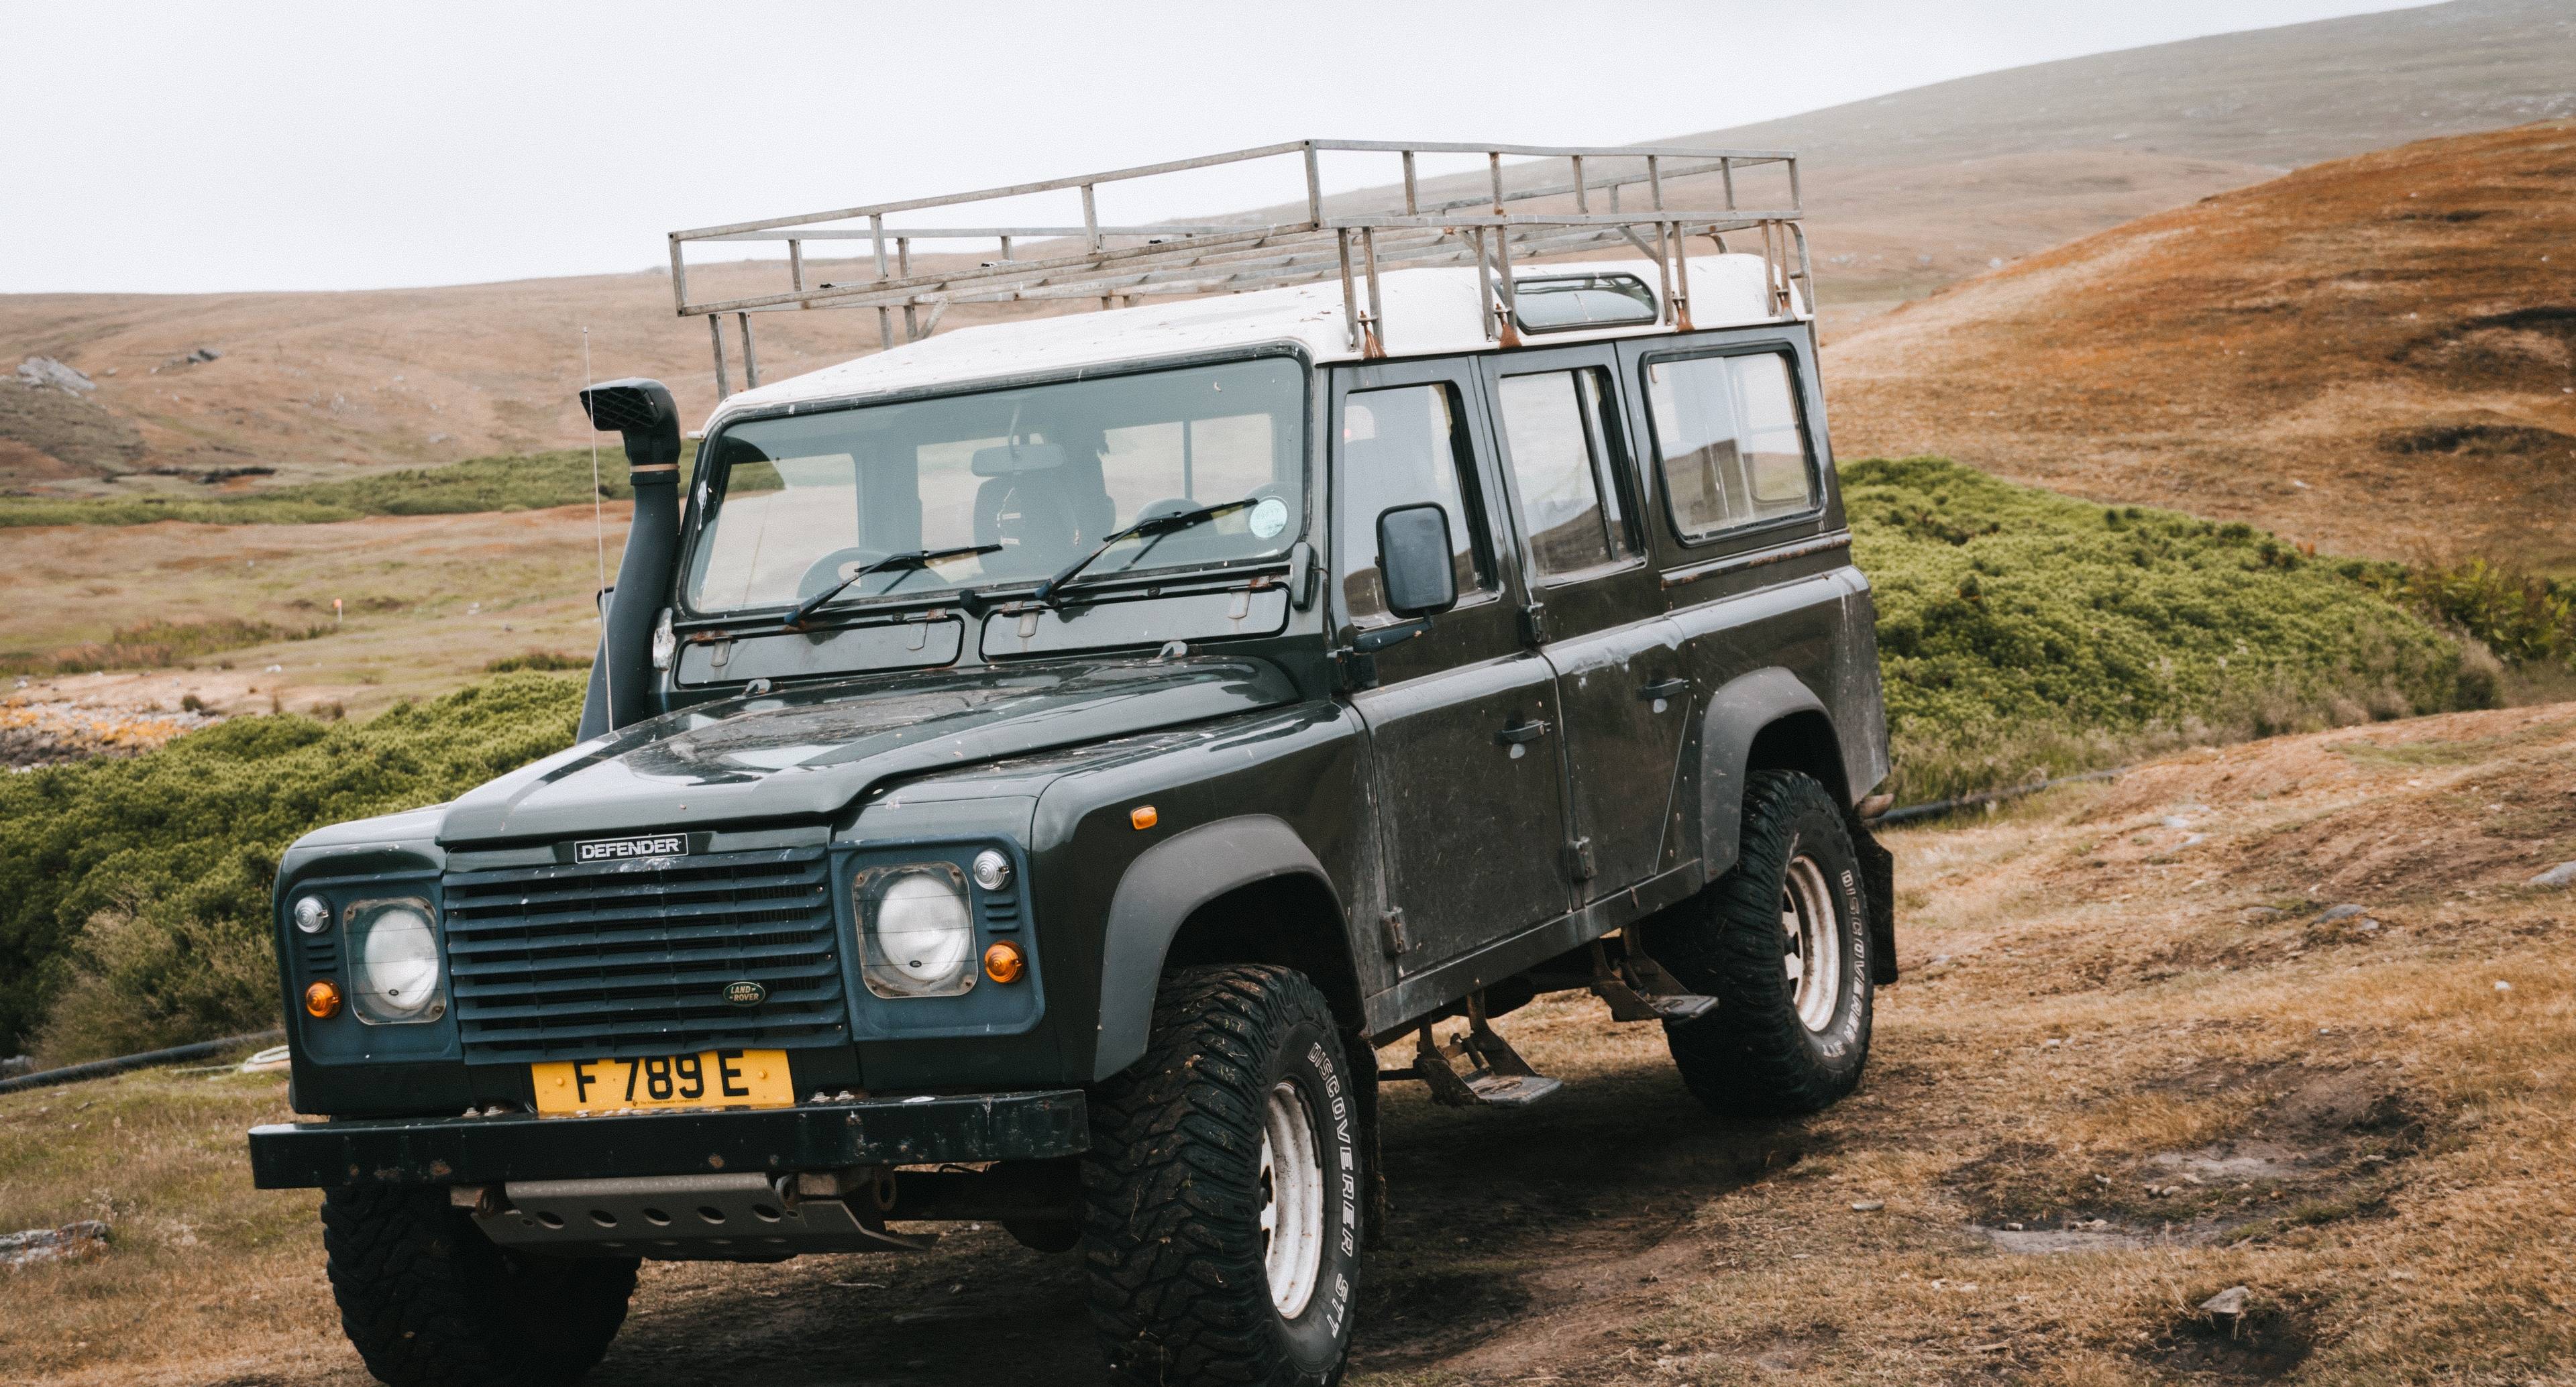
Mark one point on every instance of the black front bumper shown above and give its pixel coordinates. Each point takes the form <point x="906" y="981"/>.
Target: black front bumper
<point x="822" y="1136"/>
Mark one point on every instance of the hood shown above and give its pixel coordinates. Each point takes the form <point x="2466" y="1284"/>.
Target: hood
<point x="808" y="753"/>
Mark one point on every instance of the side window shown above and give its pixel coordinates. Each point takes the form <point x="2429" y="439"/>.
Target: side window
<point x="1402" y="446"/>
<point x="1559" y="441"/>
<point x="1728" y="440"/>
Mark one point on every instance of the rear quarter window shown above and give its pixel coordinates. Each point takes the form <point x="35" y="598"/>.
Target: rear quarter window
<point x="1730" y="442"/>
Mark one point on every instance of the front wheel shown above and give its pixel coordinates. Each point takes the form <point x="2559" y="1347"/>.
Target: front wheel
<point x="1221" y="1228"/>
<point x="1782" y="941"/>
<point x="430" y="1302"/>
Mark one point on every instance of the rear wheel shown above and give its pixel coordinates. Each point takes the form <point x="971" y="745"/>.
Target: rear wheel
<point x="1782" y="941"/>
<point x="1221" y="1196"/>
<point x="430" y="1302"/>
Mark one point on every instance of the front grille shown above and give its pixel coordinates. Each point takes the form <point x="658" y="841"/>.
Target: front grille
<point x="574" y="962"/>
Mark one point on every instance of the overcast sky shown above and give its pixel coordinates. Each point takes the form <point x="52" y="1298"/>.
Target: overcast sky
<point x="173" y="148"/>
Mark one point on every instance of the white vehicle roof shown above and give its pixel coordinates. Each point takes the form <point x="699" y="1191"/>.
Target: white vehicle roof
<point x="1428" y="312"/>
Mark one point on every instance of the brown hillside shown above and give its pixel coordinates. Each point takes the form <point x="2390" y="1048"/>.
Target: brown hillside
<point x="2377" y="354"/>
<point x="1906" y="192"/>
<point x="316" y="385"/>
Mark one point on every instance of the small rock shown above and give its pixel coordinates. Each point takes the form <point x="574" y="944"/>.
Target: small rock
<point x="71" y="1241"/>
<point x="2176" y="821"/>
<point x="45" y="373"/>
<point x="2333" y="913"/>
<point x="1868" y="1206"/>
<point x="2503" y="986"/>
<point x="16" y="1065"/>
<point x="2227" y="1304"/>
<point x="2564" y="874"/>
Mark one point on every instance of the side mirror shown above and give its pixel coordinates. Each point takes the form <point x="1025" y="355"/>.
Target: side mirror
<point x="1414" y="564"/>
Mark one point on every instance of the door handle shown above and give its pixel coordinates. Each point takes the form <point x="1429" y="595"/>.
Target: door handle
<point x="1668" y="688"/>
<point x="1529" y="731"/>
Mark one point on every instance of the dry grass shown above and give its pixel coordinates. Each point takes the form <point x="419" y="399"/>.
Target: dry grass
<point x="2104" y="1018"/>
<point x="2377" y="355"/>
<point x="430" y="601"/>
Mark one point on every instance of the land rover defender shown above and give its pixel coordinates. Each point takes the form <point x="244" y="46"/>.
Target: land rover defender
<point x="1031" y="772"/>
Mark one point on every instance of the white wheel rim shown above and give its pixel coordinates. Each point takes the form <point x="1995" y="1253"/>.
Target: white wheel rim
<point x="1811" y="934"/>
<point x="1292" y="1200"/>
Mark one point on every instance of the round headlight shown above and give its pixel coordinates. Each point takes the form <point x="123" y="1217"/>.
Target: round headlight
<point x="312" y="915"/>
<point x="992" y="870"/>
<point x="395" y="963"/>
<point x="920" y="939"/>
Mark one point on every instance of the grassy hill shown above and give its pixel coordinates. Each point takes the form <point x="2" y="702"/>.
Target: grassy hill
<point x="2376" y="355"/>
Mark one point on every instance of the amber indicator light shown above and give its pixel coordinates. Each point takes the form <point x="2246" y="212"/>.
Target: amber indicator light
<point x="322" y="1000"/>
<point x="1142" y="816"/>
<point x="1002" y="963"/>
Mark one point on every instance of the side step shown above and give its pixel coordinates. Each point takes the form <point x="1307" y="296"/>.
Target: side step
<point x="1638" y="989"/>
<point x="1494" y="1074"/>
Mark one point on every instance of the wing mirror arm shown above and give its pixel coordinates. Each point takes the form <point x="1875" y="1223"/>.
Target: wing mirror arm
<point x="1378" y="638"/>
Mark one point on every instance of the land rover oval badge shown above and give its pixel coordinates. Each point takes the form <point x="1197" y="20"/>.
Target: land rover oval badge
<point x="745" y="993"/>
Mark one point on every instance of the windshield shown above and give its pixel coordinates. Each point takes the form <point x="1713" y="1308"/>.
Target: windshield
<point x="798" y="504"/>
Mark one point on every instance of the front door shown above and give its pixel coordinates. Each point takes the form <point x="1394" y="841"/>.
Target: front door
<point x="1578" y="501"/>
<point x="1463" y="723"/>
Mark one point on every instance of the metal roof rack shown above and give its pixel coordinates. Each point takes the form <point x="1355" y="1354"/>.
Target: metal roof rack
<point x="1322" y="238"/>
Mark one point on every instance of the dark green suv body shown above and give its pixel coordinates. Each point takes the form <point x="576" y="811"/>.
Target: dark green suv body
<point x="1201" y="706"/>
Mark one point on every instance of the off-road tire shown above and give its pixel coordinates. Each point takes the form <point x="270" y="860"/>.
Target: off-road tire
<point x="431" y="1302"/>
<point x="1753" y="1055"/>
<point x="1172" y="1244"/>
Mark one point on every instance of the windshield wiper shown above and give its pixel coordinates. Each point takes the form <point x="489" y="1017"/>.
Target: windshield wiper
<point x="1158" y="526"/>
<point x="907" y="560"/>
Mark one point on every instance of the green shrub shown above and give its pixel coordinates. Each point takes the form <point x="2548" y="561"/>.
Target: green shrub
<point x="2525" y="619"/>
<point x="529" y="482"/>
<point x="145" y="880"/>
<point x="549" y="660"/>
<point x="2022" y="633"/>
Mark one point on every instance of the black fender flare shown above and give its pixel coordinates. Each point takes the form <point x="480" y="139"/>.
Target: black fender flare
<point x="1158" y="893"/>
<point x="1736" y="714"/>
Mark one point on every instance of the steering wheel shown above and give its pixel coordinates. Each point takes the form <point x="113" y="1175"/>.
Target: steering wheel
<point x="832" y="567"/>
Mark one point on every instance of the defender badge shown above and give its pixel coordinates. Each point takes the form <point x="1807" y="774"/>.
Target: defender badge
<point x="626" y="849"/>
<point x="745" y="993"/>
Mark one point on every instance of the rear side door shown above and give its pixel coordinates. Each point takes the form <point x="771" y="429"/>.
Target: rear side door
<point x="1463" y="722"/>
<point x="1596" y="611"/>
<point x="1751" y="552"/>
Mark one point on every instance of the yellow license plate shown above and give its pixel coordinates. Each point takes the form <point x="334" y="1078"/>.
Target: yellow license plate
<point x="708" y="1079"/>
